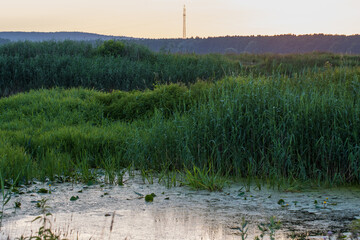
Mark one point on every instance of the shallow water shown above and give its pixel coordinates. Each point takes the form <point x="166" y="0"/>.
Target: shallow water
<point x="178" y="212"/>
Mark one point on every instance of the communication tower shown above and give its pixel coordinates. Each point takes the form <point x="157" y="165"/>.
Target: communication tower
<point x="184" y="22"/>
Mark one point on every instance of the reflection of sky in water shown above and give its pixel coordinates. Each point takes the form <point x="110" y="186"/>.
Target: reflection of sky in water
<point x="176" y="213"/>
<point x="169" y="224"/>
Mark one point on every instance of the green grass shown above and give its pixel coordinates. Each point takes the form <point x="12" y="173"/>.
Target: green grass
<point x="275" y="118"/>
<point x="302" y="127"/>
<point x="105" y="66"/>
<point x="204" y="178"/>
<point x="112" y="65"/>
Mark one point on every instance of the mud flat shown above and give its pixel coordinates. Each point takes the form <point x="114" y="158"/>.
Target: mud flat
<point x="121" y="212"/>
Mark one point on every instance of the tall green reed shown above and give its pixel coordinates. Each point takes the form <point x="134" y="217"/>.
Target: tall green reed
<point x="271" y="127"/>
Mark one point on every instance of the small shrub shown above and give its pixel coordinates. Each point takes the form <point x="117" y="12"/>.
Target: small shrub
<point x="112" y="48"/>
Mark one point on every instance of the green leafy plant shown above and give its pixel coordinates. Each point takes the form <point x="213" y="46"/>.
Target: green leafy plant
<point x="269" y="228"/>
<point x="74" y="198"/>
<point x="243" y="229"/>
<point x="17" y="204"/>
<point x="150" y="197"/>
<point x="45" y="212"/>
<point x="45" y="231"/>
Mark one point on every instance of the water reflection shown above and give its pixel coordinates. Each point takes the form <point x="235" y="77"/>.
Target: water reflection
<point x="144" y="224"/>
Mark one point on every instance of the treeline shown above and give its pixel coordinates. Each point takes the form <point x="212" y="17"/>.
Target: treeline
<point x="282" y="44"/>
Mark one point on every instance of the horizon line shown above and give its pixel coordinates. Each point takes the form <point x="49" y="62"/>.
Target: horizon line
<point x="192" y="37"/>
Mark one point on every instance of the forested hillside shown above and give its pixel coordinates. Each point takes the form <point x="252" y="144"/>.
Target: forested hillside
<point x="281" y="44"/>
<point x="259" y="44"/>
<point x="3" y="41"/>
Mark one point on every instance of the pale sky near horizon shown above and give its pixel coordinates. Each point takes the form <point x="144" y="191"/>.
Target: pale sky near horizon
<point x="163" y="18"/>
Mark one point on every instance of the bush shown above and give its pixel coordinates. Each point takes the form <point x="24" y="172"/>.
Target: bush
<point x="128" y="106"/>
<point x="112" y="48"/>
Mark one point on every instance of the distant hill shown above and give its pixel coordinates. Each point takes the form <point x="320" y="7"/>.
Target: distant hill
<point x="57" y="36"/>
<point x="3" y="41"/>
<point x="281" y="44"/>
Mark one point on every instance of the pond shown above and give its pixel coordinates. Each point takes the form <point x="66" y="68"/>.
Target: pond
<point x="120" y="212"/>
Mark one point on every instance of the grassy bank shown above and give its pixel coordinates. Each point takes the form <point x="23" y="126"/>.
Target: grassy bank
<point x="305" y="127"/>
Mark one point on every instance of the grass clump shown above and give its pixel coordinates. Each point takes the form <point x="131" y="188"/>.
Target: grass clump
<point x="128" y="106"/>
<point x="204" y="178"/>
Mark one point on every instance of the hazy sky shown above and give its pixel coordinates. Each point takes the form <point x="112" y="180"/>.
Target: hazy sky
<point x="163" y="18"/>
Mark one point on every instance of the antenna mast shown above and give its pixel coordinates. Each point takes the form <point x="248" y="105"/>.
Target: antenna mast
<point x="184" y="23"/>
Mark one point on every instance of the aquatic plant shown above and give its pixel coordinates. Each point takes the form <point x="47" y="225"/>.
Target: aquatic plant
<point x="74" y="198"/>
<point x="43" y="190"/>
<point x="169" y="178"/>
<point x="150" y="197"/>
<point x="45" y="213"/>
<point x="17" y="204"/>
<point x="204" y="178"/>
<point x="109" y="166"/>
<point x="243" y="229"/>
<point x="148" y="175"/>
<point x="45" y="231"/>
<point x="281" y="202"/>
<point x="6" y="194"/>
<point x="269" y="228"/>
<point x="120" y="176"/>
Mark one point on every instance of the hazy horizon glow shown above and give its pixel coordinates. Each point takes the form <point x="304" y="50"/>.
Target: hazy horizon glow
<point x="163" y="18"/>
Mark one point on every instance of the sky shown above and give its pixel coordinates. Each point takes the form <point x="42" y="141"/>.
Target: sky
<point x="163" y="18"/>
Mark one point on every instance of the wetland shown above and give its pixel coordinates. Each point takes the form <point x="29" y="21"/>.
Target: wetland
<point x="187" y="146"/>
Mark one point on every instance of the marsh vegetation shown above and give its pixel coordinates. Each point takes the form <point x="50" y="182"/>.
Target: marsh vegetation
<point x="293" y="117"/>
<point x="69" y="108"/>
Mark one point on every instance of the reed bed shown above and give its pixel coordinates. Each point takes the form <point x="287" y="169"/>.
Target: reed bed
<point x="302" y="126"/>
<point x="110" y="65"/>
<point x="104" y="66"/>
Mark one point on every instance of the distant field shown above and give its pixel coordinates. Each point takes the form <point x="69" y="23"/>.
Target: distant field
<point x="269" y="117"/>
